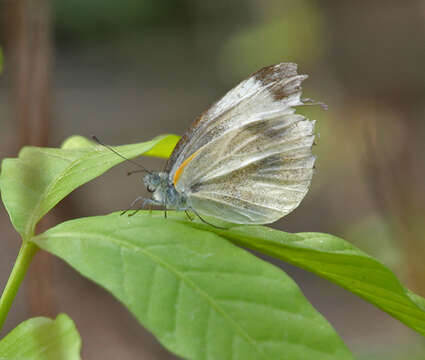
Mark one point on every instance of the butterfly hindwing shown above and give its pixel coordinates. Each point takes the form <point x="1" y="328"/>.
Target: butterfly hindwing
<point x="254" y="174"/>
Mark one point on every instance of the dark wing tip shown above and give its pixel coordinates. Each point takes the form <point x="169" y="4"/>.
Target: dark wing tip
<point x="276" y="72"/>
<point x="281" y="79"/>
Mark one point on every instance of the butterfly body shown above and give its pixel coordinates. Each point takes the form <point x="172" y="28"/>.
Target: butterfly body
<point x="248" y="158"/>
<point x="163" y="191"/>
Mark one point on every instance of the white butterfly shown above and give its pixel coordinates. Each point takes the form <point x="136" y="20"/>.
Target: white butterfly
<point x="248" y="158"/>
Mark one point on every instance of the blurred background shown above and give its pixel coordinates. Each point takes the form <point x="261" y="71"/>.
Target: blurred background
<point x="132" y="69"/>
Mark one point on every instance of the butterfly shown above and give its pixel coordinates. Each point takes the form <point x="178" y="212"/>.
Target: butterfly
<point x="247" y="159"/>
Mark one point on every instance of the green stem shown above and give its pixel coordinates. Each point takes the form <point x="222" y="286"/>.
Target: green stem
<point x="26" y="253"/>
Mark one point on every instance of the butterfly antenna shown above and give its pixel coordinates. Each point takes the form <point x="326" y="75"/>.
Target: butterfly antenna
<point x="142" y="168"/>
<point x="135" y="171"/>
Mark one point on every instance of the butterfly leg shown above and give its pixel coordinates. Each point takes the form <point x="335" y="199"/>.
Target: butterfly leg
<point x="205" y="221"/>
<point x="133" y="203"/>
<point x="165" y="208"/>
<point x="145" y="202"/>
<point x="188" y="215"/>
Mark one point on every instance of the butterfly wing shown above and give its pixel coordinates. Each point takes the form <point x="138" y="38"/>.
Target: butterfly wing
<point x="248" y="159"/>
<point x="276" y="87"/>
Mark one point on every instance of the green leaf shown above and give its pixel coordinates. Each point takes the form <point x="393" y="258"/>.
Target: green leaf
<point x="338" y="261"/>
<point x="41" y="338"/>
<point x="203" y="297"/>
<point x="77" y="142"/>
<point x="34" y="183"/>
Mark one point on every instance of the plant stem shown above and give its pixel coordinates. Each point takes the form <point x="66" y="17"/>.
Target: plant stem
<point x="25" y="255"/>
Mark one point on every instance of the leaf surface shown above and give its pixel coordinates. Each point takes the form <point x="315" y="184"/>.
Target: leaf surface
<point x="336" y="260"/>
<point x="32" y="184"/>
<point x="203" y="297"/>
<point x="42" y="338"/>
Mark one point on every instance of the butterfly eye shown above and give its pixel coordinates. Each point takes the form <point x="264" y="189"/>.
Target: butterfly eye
<point x="150" y="189"/>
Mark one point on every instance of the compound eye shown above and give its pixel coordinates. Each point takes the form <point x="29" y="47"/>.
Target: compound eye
<point x="150" y="189"/>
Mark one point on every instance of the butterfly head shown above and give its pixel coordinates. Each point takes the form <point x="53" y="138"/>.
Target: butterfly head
<point x="163" y="191"/>
<point x="153" y="181"/>
<point x="157" y="183"/>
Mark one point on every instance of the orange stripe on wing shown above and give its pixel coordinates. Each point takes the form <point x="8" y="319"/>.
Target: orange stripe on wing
<point x="181" y="167"/>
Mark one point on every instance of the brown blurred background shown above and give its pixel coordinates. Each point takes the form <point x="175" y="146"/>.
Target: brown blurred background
<point x="132" y="69"/>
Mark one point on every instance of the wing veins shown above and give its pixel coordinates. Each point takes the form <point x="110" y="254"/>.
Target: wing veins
<point x="248" y="162"/>
<point x="223" y="201"/>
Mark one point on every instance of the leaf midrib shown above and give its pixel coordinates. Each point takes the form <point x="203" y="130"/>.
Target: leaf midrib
<point x="172" y="269"/>
<point x="306" y="263"/>
<point x="30" y="226"/>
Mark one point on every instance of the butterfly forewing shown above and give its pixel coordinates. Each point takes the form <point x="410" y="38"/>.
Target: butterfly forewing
<point x="248" y="158"/>
<point x="276" y="88"/>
